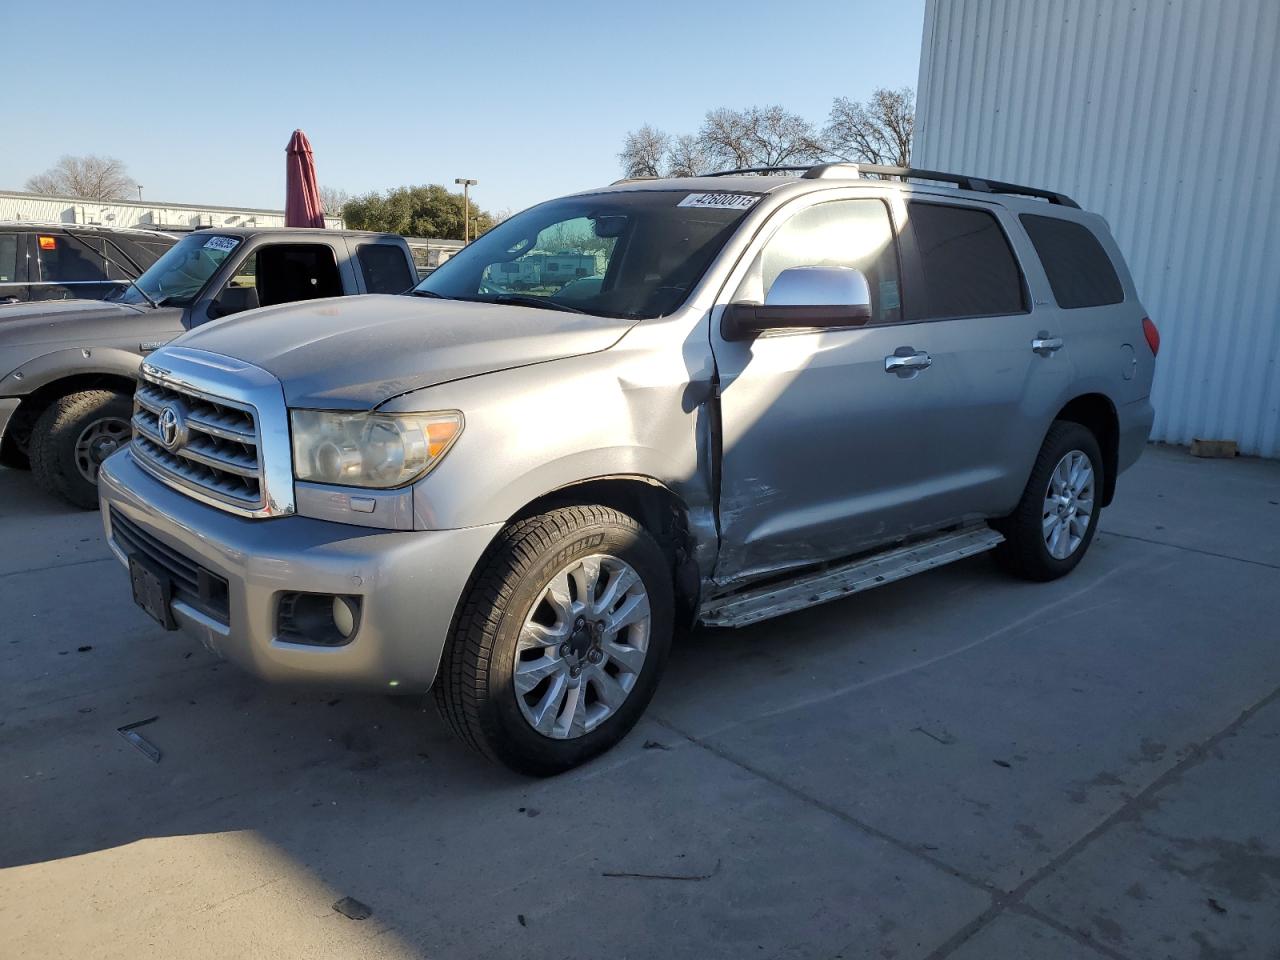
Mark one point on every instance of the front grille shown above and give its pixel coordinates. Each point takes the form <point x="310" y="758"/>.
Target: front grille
<point x="218" y="454"/>
<point x="192" y="583"/>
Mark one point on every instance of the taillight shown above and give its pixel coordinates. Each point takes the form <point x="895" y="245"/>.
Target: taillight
<point x="1152" y="334"/>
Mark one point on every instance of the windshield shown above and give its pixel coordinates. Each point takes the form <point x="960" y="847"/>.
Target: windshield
<point x="635" y="254"/>
<point x="177" y="278"/>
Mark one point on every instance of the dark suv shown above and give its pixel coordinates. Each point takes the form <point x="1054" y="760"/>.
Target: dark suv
<point x="58" y="261"/>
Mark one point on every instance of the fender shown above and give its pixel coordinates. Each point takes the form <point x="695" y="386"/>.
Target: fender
<point x="71" y="362"/>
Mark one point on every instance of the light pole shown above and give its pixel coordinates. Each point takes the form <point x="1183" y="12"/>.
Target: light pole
<point x="466" y="206"/>
<point x="139" y="186"/>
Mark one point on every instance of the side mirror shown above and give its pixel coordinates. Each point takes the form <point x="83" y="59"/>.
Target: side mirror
<point x="802" y="298"/>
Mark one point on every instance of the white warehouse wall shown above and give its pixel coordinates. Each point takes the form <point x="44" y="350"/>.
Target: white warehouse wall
<point x="1163" y="116"/>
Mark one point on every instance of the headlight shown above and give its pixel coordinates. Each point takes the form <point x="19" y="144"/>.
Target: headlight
<point x="370" y="449"/>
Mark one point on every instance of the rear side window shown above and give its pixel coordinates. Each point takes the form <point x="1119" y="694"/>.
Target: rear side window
<point x="70" y="259"/>
<point x="1079" y="270"/>
<point x="384" y="267"/>
<point x="969" y="269"/>
<point x="8" y="257"/>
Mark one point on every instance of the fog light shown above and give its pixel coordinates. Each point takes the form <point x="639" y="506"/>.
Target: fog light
<point x="344" y="616"/>
<point x="322" y="619"/>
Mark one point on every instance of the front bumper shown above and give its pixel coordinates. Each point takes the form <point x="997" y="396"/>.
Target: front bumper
<point x="409" y="583"/>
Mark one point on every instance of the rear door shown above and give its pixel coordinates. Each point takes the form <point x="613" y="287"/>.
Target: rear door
<point x="70" y="266"/>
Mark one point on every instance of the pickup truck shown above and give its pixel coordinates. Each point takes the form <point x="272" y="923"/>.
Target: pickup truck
<point x="68" y="367"/>
<point x="765" y="393"/>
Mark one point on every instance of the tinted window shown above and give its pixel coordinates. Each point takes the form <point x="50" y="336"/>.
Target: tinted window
<point x="1079" y="270"/>
<point x="65" y="258"/>
<point x="384" y="267"/>
<point x="842" y="233"/>
<point x="288" y="272"/>
<point x="969" y="270"/>
<point x="8" y="257"/>
<point x="128" y="252"/>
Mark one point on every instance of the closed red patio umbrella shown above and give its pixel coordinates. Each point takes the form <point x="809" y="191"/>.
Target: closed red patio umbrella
<point x="302" y="206"/>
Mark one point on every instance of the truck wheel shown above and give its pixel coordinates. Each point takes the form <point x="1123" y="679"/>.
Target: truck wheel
<point x="1053" y="525"/>
<point x="71" y="439"/>
<point x="559" y="640"/>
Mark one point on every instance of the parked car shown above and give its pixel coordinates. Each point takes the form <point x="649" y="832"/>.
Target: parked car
<point x="67" y="369"/>
<point x="61" y="261"/>
<point x="782" y="392"/>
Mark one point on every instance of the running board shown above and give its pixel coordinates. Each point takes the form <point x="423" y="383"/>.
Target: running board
<point x="812" y="588"/>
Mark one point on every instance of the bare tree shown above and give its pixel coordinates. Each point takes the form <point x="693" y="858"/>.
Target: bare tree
<point x="687" y="157"/>
<point x="87" y="178"/>
<point x="333" y="200"/>
<point x="643" y="151"/>
<point x="759" y="137"/>
<point x="878" y="131"/>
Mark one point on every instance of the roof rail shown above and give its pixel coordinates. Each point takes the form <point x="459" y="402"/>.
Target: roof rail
<point x="963" y="181"/>
<point x="762" y="170"/>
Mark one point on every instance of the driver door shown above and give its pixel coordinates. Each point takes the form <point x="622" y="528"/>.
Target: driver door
<point x="825" y="452"/>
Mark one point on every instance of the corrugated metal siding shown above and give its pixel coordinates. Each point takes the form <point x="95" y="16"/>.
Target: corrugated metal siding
<point x="1163" y="116"/>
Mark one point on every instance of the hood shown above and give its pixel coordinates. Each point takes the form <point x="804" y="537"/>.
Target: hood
<point x="356" y="352"/>
<point x="54" y="315"/>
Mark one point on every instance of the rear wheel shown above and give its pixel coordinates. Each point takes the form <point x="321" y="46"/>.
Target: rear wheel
<point x="71" y="439"/>
<point x="559" y="641"/>
<point x="1054" y="523"/>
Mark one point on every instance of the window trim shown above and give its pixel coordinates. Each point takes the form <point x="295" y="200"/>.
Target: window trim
<point x="993" y="211"/>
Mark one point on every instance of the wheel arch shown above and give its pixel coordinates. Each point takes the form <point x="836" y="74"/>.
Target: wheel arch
<point x="654" y="505"/>
<point x="1097" y="414"/>
<point x="38" y="400"/>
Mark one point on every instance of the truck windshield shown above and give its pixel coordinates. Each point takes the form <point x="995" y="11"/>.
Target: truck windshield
<point x="177" y="278"/>
<point x="633" y="254"/>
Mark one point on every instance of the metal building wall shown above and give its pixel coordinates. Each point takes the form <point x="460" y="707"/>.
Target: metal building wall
<point x="130" y="213"/>
<point x="1163" y="116"/>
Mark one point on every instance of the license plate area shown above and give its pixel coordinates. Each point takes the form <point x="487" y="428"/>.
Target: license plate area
<point x="152" y="591"/>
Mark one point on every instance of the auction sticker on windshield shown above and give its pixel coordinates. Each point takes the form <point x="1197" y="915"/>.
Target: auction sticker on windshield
<point x="719" y="201"/>
<point x="221" y="243"/>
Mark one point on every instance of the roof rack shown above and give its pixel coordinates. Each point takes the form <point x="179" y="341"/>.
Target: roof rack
<point x="963" y="181"/>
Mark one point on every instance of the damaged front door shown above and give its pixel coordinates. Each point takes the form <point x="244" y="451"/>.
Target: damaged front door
<point x="827" y="433"/>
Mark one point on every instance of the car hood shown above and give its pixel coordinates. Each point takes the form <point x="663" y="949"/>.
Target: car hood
<point x="44" y="320"/>
<point x="356" y="352"/>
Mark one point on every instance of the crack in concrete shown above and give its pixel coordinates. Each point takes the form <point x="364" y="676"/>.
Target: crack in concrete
<point x="1202" y="552"/>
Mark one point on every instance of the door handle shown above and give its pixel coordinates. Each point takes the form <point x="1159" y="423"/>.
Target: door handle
<point x="1045" y="344"/>
<point x="904" y="360"/>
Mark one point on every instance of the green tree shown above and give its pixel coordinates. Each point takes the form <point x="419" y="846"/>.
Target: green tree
<point x="420" y="211"/>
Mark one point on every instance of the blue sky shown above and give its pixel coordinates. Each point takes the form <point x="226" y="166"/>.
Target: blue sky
<point x="532" y="99"/>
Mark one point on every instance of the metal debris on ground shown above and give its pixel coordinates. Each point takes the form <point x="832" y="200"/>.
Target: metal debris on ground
<point x="655" y="745"/>
<point x="664" y="876"/>
<point x="353" y="909"/>
<point x="129" y="732"/>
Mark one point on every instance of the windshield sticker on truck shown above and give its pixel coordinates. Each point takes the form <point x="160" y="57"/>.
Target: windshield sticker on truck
<point x="719" y="201"/>
<point x="225" y="244"/>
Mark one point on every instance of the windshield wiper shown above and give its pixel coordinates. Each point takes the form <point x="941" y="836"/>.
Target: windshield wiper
<point x="429" y="293"/>
<point x="528" y="300"/>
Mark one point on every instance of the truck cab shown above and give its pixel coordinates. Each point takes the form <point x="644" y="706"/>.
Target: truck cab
<point x="68" y="367"/>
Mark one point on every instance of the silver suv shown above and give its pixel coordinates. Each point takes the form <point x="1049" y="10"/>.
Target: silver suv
<point x="623" y="412"/>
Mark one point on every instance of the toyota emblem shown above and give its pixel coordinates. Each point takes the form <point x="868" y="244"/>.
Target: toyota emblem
<point x="173" y="426"/>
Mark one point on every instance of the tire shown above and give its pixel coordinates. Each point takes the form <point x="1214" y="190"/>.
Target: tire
<point x="508" y="605"/>
<point x="71" y="422"/>
<point x="1026" y="550"/>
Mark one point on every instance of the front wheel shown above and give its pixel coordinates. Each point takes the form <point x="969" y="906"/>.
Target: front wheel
<point x="559" y="640"/>
<point x="1054" y="523"/>
<point x="71" y="439"/>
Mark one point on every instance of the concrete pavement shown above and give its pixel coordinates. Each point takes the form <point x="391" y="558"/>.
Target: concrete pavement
<point x="958" y="765"/>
